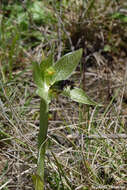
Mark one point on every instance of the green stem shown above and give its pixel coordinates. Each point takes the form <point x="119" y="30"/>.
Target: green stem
<point x="44" y="109"/>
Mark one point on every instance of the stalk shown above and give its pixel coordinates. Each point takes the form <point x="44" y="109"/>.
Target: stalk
<point x="44" y="107"/>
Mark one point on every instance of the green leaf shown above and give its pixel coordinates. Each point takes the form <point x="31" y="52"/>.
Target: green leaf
<point x="42" y="73"/>
<point x="42" y="77"/>
<point x="39" y="78"/>
<point x="78" y="95"/>
<point x="46" y="68"/>
<point x="44" y="92"/>
<point x="48" y="75"/>
<point x="47" y="62"/>
<point x="38" y="75"/>
<point x="66" y="65"/>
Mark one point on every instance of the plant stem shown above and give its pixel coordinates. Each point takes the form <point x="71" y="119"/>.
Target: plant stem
<point x="44" y="107"/>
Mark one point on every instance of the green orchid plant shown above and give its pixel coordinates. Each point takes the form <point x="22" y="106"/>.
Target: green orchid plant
<point x="46" y="74"/>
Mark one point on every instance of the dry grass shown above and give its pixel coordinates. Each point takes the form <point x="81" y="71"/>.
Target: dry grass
<point x="79" y="161"/>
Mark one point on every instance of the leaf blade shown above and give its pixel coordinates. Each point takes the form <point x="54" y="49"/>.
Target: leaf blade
<point x="37" y="75"/>
<point x="78" y="95"/>
<point x="66" y="65"/>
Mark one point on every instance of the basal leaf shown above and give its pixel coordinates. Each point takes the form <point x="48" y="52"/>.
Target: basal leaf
<point x="66" y="65"/>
